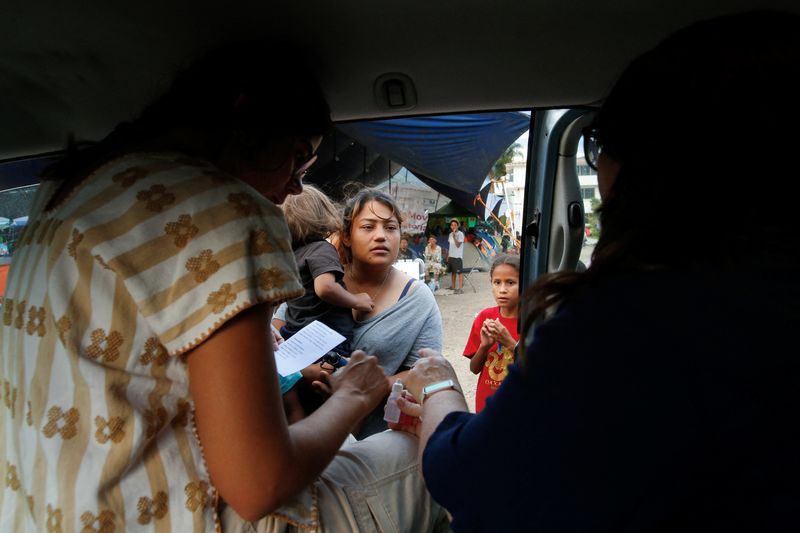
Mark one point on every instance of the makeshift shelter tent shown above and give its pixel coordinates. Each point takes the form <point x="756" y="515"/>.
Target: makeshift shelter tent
<point x="474" y="259"/>
<point x="451" y="153"/>
<point x="415" y="199"/>
<point x="452" y="210"/>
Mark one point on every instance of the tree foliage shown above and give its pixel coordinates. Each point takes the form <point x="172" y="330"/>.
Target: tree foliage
<point x="499" y="168"/>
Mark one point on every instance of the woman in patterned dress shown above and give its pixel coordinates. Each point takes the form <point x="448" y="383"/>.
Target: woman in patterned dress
<point x="135" y="351"/>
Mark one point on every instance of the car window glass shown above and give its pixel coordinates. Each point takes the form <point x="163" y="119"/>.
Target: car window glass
<point x="590" y="194"/>
<point x="18" y="184"/>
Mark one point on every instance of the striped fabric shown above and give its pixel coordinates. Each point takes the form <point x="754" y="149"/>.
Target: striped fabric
<point x="146" y="258"/>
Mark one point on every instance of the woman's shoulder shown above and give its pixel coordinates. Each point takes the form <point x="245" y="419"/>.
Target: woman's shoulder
<point x="420" y="298"/>
<point x="159" y="181"/>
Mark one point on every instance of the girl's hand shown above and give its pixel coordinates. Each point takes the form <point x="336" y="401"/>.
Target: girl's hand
<point x="487" y="338"/>
<point x="500" y="333"/>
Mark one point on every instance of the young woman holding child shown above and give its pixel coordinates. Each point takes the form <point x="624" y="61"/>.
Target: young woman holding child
<point x="404" y="318"/>
<point x="493" y="339"/>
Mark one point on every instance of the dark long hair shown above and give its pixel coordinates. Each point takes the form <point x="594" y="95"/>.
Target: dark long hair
<point x="241" y="96"/>
<point x="702" y="127"/>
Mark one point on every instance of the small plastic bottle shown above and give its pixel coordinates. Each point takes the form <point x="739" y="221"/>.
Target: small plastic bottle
<point x="391" y="412"/>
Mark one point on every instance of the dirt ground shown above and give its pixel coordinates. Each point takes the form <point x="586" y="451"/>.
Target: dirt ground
<point x="458" y="312"/>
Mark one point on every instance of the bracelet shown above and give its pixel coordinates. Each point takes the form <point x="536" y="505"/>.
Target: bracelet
<point x="439" y="386"/>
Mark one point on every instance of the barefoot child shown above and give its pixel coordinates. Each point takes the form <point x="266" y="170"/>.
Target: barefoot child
<point x="494" y="335"/>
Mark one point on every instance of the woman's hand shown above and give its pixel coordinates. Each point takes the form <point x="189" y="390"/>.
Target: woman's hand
<point x="361" y="377"/>
<point x="410" y="407"/>
<point x="430" y="368"/>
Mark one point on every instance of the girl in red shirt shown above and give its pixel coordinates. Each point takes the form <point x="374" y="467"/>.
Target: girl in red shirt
<point x="494" y="335"/>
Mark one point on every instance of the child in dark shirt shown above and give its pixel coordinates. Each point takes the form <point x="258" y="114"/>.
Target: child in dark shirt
<point x="312" y="217"/>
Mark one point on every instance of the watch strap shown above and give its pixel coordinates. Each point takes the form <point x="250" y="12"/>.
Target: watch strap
<point x="439" y="386"/>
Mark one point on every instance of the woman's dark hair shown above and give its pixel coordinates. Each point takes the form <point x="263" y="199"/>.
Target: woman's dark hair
<point x="240" y="96"/>
<point x="702" y="127"/>
<point x="360" y="196"/>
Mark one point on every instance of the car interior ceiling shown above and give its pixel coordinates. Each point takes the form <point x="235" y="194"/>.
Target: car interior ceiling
<point x="81" y="68"/>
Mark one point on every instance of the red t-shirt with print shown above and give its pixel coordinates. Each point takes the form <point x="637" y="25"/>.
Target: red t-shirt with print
<point x="497" y="360"/>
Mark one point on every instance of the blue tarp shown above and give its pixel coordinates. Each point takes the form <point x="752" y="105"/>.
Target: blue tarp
<point x="451" y="153"/>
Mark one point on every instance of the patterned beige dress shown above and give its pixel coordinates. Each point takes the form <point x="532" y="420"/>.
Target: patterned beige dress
<point x="145" y="259"/>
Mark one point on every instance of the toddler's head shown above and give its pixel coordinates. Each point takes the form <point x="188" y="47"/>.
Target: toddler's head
<point x="311" y="215"/>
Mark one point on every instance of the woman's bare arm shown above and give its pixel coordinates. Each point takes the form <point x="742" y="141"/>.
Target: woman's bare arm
<point x="255" y="460"/>
<point x="431" y="368"/>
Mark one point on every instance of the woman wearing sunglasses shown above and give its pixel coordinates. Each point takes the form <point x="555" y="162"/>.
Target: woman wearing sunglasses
<point x="135" y="338"/>
<point x="656" y="392"/>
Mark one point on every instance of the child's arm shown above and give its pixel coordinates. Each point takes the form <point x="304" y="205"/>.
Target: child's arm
<point x="478" y="359"/>
<point x="329" y="291"/>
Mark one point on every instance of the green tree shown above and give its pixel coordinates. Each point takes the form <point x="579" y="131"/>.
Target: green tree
<point x="499" y="168"/>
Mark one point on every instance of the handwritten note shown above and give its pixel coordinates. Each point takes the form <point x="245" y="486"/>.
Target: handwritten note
<point x="305" y="347"/>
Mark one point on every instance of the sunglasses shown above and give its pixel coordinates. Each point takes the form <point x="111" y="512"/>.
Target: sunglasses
<point x="592" y="147"/>
<point x="302" y="165"/>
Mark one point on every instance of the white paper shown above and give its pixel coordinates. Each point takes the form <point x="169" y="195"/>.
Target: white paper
<point x="305" y="347"/>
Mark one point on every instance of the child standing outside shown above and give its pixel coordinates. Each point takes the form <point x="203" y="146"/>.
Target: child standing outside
<point x="494" y="335"/>
<point x="312" y="217"/>
<point x="455" y="256"/>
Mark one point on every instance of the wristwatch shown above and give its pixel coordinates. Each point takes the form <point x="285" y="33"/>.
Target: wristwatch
<point x="439" y="386"/>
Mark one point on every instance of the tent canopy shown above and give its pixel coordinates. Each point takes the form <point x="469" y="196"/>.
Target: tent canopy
<point x="451" y="153"/>
<point x="451" y="209"/>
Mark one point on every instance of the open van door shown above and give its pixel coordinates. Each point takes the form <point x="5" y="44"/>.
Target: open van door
<point x="554" y="215"/>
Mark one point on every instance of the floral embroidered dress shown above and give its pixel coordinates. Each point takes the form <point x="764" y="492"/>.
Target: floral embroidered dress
<point x="146" y="259"/>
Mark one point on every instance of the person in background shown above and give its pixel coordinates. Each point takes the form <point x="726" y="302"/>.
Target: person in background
<point x="433" y="262"/>
<point x="656" y="392"/>
<point x="493" y="338"/>
<point x="409" y="254"/>
<point x="455" y="257"/>
<point x="405" y="252"/>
